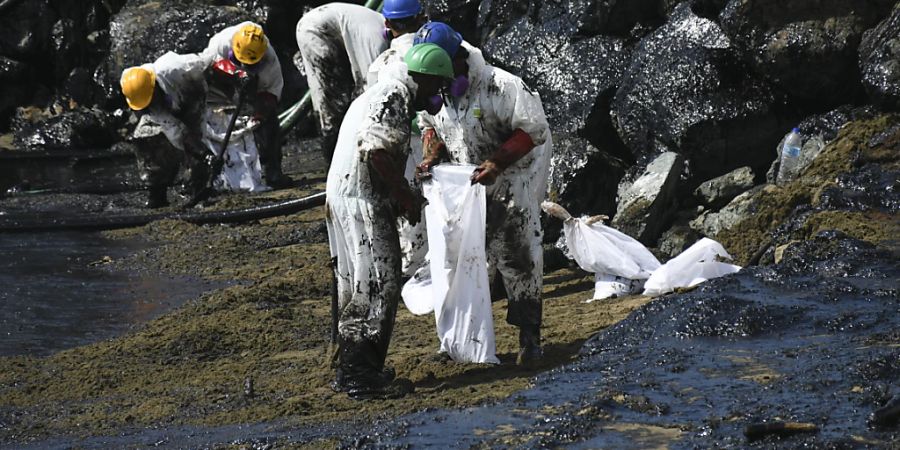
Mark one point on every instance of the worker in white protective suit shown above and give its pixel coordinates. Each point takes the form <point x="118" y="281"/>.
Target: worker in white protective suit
<point x="246" y="47"/>
<point x="496" y="122"/>
<point x="167" y="96"/>
<point x="402" y="18"/>
<point x="365" y="193"/>
<point x="338" y="42"/>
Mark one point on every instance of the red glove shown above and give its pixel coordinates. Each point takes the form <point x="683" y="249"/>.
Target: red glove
<point x="517" y="146"/>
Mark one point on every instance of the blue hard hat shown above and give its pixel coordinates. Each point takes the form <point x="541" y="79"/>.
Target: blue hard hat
<point x="441" y="34"/>
<point x="400" y="9"/>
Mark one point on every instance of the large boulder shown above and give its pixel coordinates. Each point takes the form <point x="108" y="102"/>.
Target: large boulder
<point x="76" y="129"/>
<point x="575" y="78"/>
<point x="25" y="29"/>
<point x="462" y="15"/>
<point x="711" y="223"/>
<point x="807" y="48"/>
<point x="720" y="190"/>
<point x="647" y="206"/>
<point x="687" y="91"/>
<point x="13" y="87"/>
<point x="77" y="37"/>
<point x="24" y="38"/>
<point x="569" y="74"/>
<point x="879" y="61"/>
<point x="586" y="18"/>
<point x="142" y="33"/>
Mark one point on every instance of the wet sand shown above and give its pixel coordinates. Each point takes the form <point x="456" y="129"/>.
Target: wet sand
<point x="259" y="351"/>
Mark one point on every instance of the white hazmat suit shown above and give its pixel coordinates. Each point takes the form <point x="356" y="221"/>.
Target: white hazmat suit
<point x="338" y="42"/>
<point x="268" y="69"/>
<point x="175" y="115"/>
<point x="361" y="221"/>
<point x="181" y="79"/>
<point x="395" y="53"/>
<point x="473" y="127"/>
<point x="413" y="242"/>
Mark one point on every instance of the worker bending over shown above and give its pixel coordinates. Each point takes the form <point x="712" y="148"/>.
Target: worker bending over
<point x="366" y="192"/>
<point x="338" y="42"/>
<point x="246" y="47"/>
<point x="495" y="121"/>
<point x="168" y="97"/>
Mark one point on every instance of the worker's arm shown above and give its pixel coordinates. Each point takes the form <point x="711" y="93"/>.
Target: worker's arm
<point x="409" y="202"/>
<point x="514" y="149"/>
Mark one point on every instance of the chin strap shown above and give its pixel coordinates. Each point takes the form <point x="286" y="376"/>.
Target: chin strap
<point x="517" y="146"/>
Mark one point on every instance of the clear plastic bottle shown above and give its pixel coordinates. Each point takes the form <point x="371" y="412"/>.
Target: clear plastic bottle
<point x="790" y="157"/>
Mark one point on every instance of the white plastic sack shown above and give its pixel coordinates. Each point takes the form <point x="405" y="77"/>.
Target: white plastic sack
<point x="606" y="286"/>
<point x="600" y="249"/>
<point x="460" y="296"/>
<point x="241" y="170"/>
<point x="693" y="266"/>
<point x="417" y="292"/>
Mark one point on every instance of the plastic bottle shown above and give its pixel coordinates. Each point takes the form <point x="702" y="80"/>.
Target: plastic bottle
<point x="790" y="157"/>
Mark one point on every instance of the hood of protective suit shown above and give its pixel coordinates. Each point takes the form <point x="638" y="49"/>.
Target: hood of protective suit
<point x="399" y="71"/>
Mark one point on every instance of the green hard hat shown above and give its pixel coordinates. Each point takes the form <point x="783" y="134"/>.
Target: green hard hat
<point x="429" y="59"/>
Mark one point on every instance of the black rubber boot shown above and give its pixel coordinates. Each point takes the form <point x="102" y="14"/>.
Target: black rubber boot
<point x="156" y="197"/>
<point x="362" y="376"/>
<point x="276" y="179"/>
<point x="529" y="345"/>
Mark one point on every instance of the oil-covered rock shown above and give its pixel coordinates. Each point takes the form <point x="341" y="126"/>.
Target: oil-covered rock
<point x="136" y="31"/>
<point x="879" y="61"/>
<point x="687" y="91"/>
<point x="805" y="47"/>
<point x="74" y="129"/>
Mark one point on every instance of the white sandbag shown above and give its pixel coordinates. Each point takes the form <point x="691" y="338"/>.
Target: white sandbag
<point x="600" y="249"/>
<point x="603" y="250"/>
<point x="241" y="170"/>
<point x="417" y="292"/>
<point x="608" y="286"/>
<point x="455" y="218"/>
<point x="700" y="262"/>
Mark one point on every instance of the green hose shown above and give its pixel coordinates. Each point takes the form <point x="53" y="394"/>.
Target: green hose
<point x="289" y="117"/>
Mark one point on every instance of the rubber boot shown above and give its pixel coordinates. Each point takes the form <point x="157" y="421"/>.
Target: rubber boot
<point x="357" y="367"/>
<point x="268" y="143"/>
<point x="156" y="197"/>
<point x="359" y="374"/>
<point x="529" y="345"/>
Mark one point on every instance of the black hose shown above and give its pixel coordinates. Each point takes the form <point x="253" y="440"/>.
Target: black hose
<point x="107" y="222"/>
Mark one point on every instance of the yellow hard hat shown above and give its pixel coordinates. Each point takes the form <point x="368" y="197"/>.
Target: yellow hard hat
<point x="137" y="84"/>
<point x="249" y="44"/>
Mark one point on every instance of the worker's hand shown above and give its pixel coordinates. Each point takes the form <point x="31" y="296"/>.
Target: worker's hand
<point x="410" y="203"/>
<point x="252" y="123"/>
<point x="423" y="170"/>
<point x="486" y="173"/>
<point x="244" y="78"/>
